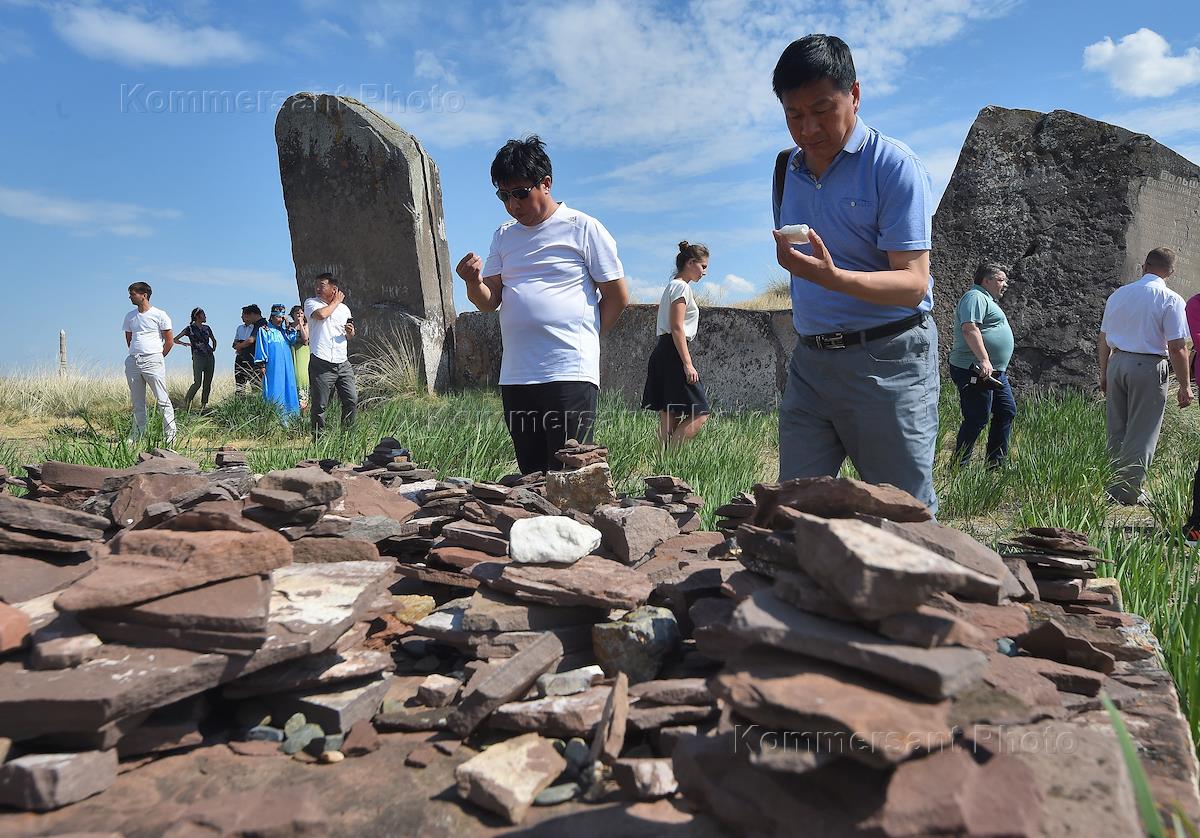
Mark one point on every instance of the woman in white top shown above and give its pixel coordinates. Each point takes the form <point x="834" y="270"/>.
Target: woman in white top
<point x="673" y="387"/>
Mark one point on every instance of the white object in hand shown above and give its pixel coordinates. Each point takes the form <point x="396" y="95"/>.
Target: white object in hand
<point x="795" y="233"/>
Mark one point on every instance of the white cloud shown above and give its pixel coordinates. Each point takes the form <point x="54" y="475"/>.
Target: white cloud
<point x="81" y="217"/>
<point x="1167" y="120"/>
<point x="426" y="65"/>
<point x="728" y="290"/>
<point x="128" y="38"/>
<point x="676" y="92"/>
<point x="1141" y="64"/>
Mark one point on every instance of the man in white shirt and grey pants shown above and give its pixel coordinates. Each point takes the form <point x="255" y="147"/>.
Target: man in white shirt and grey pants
<point x="149" y="338"/>
<point x="330" y="328"/>
<point x="1144" y="325"/>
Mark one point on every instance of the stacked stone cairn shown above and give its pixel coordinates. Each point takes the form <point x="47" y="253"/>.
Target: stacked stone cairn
<point x="832" y="658"/>
<point x="880" y="679"/>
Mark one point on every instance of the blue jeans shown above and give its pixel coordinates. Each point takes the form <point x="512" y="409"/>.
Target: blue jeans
<point x="875" y="402"/>
<point x="978" y="405"/>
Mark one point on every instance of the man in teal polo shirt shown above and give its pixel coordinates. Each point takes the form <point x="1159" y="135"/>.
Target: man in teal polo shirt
<point x="983" y="338"/>
<point x="863" y="380"/>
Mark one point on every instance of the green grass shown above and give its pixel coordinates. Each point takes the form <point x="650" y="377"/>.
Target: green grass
<point x="1055" y="476"/>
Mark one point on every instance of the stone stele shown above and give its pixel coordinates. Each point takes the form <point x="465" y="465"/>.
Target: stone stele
<point x="364" y="202"/>
<point x="1071" y="206"/>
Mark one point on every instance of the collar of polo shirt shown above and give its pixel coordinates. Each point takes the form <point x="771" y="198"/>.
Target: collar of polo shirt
<point x="854" y="144"/>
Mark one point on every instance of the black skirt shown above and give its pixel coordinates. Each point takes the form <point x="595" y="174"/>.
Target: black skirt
<point x="666" y="387"/>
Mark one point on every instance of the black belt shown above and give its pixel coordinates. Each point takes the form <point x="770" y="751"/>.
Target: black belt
<point x="844" y="340"/>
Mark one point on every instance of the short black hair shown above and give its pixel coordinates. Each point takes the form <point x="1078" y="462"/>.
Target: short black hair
<point x="812" y="58"/>
<point x="328" y="277"/>
<point x="142" y="288"/>
<point x="521" y="160"/>
<point x="252" y="309"/>
<point x="988" y="270"/>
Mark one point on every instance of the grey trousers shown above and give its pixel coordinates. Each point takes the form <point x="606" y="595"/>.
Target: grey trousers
<point x="876" y="403"/>
<point x="1136" y="398"/>
<point x="323" y="378"/>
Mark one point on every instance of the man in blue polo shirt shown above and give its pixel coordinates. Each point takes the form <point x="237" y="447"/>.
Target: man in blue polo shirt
<point x="863" y="380"/>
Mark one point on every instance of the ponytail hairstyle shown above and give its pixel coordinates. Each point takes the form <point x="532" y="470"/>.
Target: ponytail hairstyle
<point x="687" y="253"/>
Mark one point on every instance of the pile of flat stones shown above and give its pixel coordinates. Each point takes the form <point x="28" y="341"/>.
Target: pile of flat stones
<point x="829" y="656"/>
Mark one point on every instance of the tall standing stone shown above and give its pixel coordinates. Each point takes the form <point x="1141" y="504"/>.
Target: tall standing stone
<point x="1073" y="206"/>
<point x="364" y="202"/>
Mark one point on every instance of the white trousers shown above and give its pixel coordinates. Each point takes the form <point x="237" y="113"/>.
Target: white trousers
<point x="149" y="370"/>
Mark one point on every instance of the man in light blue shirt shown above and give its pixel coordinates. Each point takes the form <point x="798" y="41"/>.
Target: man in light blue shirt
<point x="863" y="380"/>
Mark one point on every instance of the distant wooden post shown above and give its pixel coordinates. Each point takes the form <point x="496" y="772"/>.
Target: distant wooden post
<point x="62" y="351"/>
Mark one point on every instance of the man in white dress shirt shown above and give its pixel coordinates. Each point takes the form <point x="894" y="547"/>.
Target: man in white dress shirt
<point x="149" y="339"/>
<point x="1142" y="337"/>
<point x="555" y="276"/>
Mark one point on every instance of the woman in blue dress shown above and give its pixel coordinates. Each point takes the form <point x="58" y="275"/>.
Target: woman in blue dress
<point x="273" y="350"/>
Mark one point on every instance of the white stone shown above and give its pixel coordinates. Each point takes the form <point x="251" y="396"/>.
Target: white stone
<point x="795" y="233"/>
<point x="551" y="539"/>
<point x="569" y="683"/>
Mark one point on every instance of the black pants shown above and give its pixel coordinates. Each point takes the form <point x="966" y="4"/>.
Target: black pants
<point x="245" y="374"/>
<point x="541" y="417"/>
<point x="202" y="376"/>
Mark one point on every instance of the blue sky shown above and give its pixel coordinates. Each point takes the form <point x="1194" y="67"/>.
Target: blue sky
<point x="659" y="118"/>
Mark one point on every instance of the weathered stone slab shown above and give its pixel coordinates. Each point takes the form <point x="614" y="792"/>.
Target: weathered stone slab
<point x="364" y="200"/>
<point x="672" y="691"/>
<point x="934" y="673"/>
<point x="482" y="537"/>
<point x="632" y="532"/>
<point x="1051" y="640"/>
<point x="313" y="605"/>
<point x="366" y="497"/>
<point x="947" y="793"/>
<point x="609" y="738"/>
<point x="961" y="548"/>
<point x="33" y="517"/>
<point x="139" y="491"/>
<point x="335" y="710"/>
<point x="508" y="682"/>
<point x="874" y="572"/>
<point x="592" y="581"/>
<point x="23" y="577"/>
<point x="836" y="497"/>
<point x="833" y="709"/>
<point x="62" y="643"/>
<point x="928" y="626"/>
<point x="234" y="605"/>
<point x="490" y="610"/>
<point x="561" y="715"/>
<point x="316" y="550"/>
<point x="14" y="628"/>
<point x="1080" y="771"/>
<point x="284" y="812"/>
<point x="509" y="775"/>
<point x="42" y="782"/>
<point x="156" y="563"/>
<point x="317" y="671"/>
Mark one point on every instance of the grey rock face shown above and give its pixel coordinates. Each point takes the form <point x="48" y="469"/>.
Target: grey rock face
<point x="1073" y="206"/>
<point x="364" y="202"/>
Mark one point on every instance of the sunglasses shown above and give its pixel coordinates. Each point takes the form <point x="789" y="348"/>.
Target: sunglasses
<point x="520" y="193"/>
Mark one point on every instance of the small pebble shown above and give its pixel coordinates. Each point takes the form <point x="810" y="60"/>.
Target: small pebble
<point x="557" y="794"/>
<point x="293" y="724"/>
<point x="331" y="757"/>
<point x="264" y="733"/>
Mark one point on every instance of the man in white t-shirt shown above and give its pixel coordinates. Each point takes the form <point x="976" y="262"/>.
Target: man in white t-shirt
<point x="544" y="272"/>
<point x="330" y="328"/>
<point x="1143" y="334"/>
<point x="149" y="339"/>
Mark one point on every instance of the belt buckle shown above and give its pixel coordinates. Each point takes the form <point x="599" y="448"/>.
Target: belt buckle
<point x="833" y="340"/>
